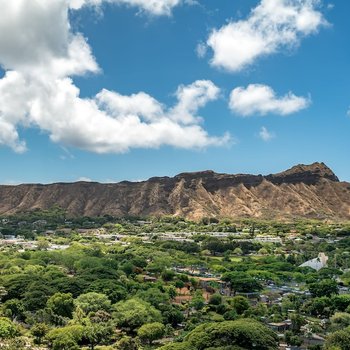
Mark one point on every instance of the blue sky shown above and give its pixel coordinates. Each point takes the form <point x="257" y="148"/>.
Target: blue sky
<point x="138" y="50"/>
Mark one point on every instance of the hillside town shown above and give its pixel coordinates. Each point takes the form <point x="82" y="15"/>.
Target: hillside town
<point x="293" y="277"/>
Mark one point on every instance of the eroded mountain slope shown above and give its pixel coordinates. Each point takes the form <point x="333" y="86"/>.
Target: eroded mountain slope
<point x="302" y="191"/>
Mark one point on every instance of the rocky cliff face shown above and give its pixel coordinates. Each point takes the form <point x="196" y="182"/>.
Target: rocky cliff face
<point x="311" y="191"/>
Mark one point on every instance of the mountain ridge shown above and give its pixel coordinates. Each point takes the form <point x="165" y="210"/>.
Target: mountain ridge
<point x="310" y="191"/>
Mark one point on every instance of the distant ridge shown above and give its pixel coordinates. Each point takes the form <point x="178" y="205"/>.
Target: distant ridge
<point x="305" y="191"/>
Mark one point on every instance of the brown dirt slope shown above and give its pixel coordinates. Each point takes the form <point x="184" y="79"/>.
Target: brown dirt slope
<point x="310" y="191"/>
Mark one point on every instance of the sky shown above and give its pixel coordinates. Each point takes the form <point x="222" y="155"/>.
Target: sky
<point x="112" y="90"/>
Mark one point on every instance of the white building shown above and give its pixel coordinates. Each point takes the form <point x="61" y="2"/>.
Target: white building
<point x="317" y="263"/>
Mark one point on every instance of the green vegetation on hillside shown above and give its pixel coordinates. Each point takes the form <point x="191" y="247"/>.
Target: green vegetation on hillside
<point x="170" y="284"/>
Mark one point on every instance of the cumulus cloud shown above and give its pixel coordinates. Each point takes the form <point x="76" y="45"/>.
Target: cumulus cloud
<point x="153" y="7"/>
<point x="272" y="26"/>
<point x="191" y="98"/>
<point x="262" y="100"/>
<point x="40" y="54"/>
<point x="265" y="134"/>
<point x="36" y="39"/>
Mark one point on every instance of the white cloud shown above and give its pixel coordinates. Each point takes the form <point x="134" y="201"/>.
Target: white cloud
<point x="109" y="122"/>
<point x="265" y="134"/>
<point x="84" y="179"/>
<point x="36" y="39"/>
<point x="272" y="26"/>
<point x="40" y="54"/>
<point x="261" y="100"/>
<point x="153" y="7"/>
<point x="9" y="137"/>
<point x="201" y="50"/>
<point x="140" y="104"/>
<point x="191" y="98"/>
<point x="11" y="183"/>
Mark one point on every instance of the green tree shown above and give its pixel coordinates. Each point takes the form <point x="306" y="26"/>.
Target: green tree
<point x="39" y="331"/>
<point x="177" y="346"/>
<point x="339" y="321"/>
<point x="92" y="302"/>
<point x="292" y="339"/>
<point x="151" y="332"/>
<point x="7" y="328"/>
<point x="339" y="340"/>
<point x="3" y="292"/>
<point x="114" y="291"/>
<point x="320" y="306"/>
<point x="263" y="251"/>
<point x="154" y="296"/>
<point x="172" y="315"/>
<point x="14" y="309"/>
<point x="65" y="342"/>
<point x="96" y="333"/>
<point x="240" y="304"/>
<point x="341" y="302"/>
<point x="215" y="299"/>
<point x="168" y="275"/>
<point x="297" y="322"/>
<point x="134" y="313"/>
<point x="197" y="301"/>
<point x="128" y="268"/>
<point x="69" y="335"/>
<point x="241" y="282"/>
<point x="127" y="343"/>
<point x="43" y="244"/>
<point x="36" y="296"/>
<point x="61" y="304"/>
<point x="244" y="333"/>
<point x="325" y="288"/>
<point x="17" y="285"/>
<point x="214" y="245"/>
<point x="238" y="251"/>
<point x="230" y="315"/>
